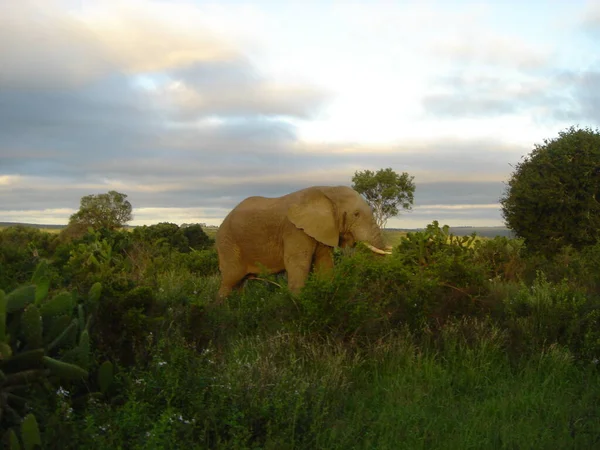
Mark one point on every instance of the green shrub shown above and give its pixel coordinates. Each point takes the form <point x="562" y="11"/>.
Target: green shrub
<point x="502" y="256"/>
<point x="202" y="262"/>
<point x="167" y="236"/>
<point x="21" y="249"/>
<point x="548" y="313"/>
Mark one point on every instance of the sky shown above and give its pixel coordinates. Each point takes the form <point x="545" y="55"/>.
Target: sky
<point x="188" y="107"/>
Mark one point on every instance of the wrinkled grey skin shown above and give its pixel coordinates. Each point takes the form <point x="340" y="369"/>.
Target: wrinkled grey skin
<point x="292" y="233"/>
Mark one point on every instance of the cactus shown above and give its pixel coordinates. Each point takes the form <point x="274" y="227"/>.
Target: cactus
<point x="41" y="341"/>
<point x="65" y="370"/>
<point x="2" y="315"/>
<point x="105" y="376"/>
<point x="13" y="440"/>
<point x="31" y="326"/>
<point x="79" y="355"/>
<point x="20" y="298"/>
<point x="30" y="433"/>
<point x="39" y="274"/>
<point x="58" y="306"/>
<point x="5" y="351"/>
<point x="63" y="332"/>
<point x="23" y="360"/>
<point x="94" y="293"/>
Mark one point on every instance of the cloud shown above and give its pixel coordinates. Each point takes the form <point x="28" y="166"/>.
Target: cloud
<point x="234" y="88"/>
<point x="477" y="47"/>
<point x="559" y="96"/>
<point x="590" y="18"/>
<point x="73" y="49"/>
<point x="585" y="89"/>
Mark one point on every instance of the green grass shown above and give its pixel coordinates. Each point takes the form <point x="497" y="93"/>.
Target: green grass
<point x="292" y="390"/>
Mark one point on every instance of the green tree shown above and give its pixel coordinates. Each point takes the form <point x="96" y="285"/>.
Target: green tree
<point x="196" y="236"/>
<point x="553" y="197"/>
<point x="385" y="191"/>
<point x="110" y="211"/>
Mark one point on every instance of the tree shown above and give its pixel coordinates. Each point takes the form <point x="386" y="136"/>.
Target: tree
<point x="110" y="211"/>
<point x="553" y="197"/>
<point x="196" y="236"/>
<point x="171" y="235"/>
<point x="385" y="191"/>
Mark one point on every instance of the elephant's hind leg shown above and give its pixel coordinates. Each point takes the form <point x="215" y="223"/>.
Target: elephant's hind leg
<point x="232" y="273"/>
<point x="229" y="281"/>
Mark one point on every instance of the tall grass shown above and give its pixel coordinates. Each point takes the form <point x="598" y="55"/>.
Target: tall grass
<point x="293" y="390"/>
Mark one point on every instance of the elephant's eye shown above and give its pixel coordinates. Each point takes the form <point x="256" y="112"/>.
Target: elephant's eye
<point x="356" y="213"/>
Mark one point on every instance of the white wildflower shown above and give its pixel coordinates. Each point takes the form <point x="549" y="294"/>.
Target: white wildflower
<point x="62" y="392"/>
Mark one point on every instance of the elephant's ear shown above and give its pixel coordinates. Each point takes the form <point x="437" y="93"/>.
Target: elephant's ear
<point x="315" y="215"/>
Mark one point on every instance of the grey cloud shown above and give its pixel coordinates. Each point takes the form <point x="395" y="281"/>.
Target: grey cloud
<point x="587" y="95"/>
<point x="64" y="129"/>
<point x="234" y="88"/>
<point x="41" y="47"/>
<point x="458" y="192"/>
<point x="557" y="96"/>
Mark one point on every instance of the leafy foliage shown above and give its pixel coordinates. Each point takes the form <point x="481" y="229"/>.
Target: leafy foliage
<point x="553" y="197"/>
<point x="21" y="249"/>
<point x="110" y="211"/>
<point x="170" y="235"/>
<point x="385" y="191"/>
<point x="388" y="346"/>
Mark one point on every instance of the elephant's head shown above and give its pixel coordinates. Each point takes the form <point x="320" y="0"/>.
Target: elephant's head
<point x="336" y="216"/>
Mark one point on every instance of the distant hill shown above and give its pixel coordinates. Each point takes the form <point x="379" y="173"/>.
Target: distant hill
<point x="457" y="231"/>
<point x="489" y="232"/>
<point x="32" y="225"/>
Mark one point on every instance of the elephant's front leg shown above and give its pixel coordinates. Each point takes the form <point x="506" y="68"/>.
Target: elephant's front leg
<point x="297" y="257"/>
<point x="323" y="260"/>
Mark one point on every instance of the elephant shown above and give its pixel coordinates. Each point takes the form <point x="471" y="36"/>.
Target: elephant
<point x="292" y="233"/>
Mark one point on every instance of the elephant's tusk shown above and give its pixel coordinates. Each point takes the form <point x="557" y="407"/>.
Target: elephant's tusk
<point x="377" y="250"/>
<point x="389" y="247"/>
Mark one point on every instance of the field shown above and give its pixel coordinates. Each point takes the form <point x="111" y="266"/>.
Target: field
<point x="448" y="343"/>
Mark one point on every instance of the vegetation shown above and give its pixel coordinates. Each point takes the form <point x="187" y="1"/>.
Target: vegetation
<point x="390" y="350"/>
<point x="110" y="211"/>
<point x="553" y="197"/>
<point x="385" y="191"/>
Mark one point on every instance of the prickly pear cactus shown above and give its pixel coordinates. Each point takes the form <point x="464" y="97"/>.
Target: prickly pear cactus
<point x="30" y="433"/>
<point x="42" y="341"/>
<point x="31" y="326"/>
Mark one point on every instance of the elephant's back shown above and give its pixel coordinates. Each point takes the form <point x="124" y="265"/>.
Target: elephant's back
<point x="254" y="217"/>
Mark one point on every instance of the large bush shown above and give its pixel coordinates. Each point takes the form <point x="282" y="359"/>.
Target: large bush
<point x="553" y="197"/>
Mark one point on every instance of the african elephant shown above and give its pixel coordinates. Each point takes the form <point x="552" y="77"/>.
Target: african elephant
<point x="292" y="233"/>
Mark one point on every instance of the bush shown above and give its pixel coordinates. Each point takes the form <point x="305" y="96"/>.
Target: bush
<point x="169" y="236"/>
<point x="202" y="262"/>
<point x="552" y="198"/>
<point x="21" y="249"/>
<point x="126" y="319"/>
